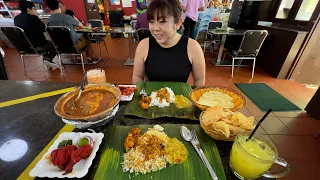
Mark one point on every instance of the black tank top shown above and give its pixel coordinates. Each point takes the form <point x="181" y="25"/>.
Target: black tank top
<point x="168" y="64"/>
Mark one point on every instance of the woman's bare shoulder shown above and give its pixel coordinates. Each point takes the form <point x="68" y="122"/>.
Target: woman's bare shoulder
<point x="194" y="50"/>
<point x="144" y="43"/>
<point x="193" y="44"/>
<point x="142" y="50"/>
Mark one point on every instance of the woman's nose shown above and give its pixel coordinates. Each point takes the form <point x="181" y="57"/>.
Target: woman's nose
<point x="156" y="26"/>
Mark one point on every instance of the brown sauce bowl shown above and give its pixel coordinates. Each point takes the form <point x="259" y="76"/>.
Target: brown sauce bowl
<point x="59" y="107"/>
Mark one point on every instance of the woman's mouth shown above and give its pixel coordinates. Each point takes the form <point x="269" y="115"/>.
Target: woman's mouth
<point x="158" y="36"/>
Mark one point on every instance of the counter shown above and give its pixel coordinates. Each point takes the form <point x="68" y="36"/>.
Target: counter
<point x="313" y="106"/>
<point x="280" y="49"/>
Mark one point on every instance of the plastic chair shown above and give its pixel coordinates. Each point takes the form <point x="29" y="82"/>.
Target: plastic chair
<point x="97" y="37"/>
<point x="249" y="48"/>
<point x="201" y="39"/>
<point x="19" y="39"/>
<point x="133" y="24"/>
<point x="63" y="43"/>
<point x="116" y="17"/>
<point x="212" y="37"/>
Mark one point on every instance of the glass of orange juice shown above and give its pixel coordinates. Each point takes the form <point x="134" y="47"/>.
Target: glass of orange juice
<point x="253" y="158"/>
<point x="96" y="76"/>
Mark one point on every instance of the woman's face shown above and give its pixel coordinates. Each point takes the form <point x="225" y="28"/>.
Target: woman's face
<point x="163" y="29"/>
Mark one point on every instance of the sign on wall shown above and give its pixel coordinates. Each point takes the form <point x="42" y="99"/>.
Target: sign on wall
<point x="115" y="2"/>
<point x="126" y="3"/>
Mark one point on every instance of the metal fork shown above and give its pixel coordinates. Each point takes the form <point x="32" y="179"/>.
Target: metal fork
<point x="195" y="141"/>
<point x="143" y="91"/>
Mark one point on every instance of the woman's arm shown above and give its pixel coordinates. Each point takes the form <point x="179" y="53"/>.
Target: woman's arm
<point x="196" y="57"/>
<point x="140" y="56"/>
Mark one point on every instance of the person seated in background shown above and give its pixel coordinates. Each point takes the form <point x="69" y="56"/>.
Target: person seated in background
<point x="167" y="55"/>
<point x="142" y="20"/>
<point x="57" y="18"/>
<point x="141" y="6"/>
<point x="34" y="28"/>
<point x="69" y="12"/>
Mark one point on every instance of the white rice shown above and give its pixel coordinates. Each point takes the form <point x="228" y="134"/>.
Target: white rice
<point x="155" y="101"/>
<point x="134" y="162"/>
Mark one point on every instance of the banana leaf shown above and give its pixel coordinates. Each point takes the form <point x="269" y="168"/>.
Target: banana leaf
<point x="110" y="168"/>
<point x="133" y="107"/>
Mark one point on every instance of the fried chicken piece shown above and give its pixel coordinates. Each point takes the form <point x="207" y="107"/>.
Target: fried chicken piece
<point x="129" y="142"/>
<point x="135" y="132"/>
<point x="145" y="102"/>
<point x="131" y="139"/>
<point x="82" y="153"/>
<point x="61" y="157"/>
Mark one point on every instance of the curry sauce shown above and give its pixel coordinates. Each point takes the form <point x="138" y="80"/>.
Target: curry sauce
<point x="91" y="102"/>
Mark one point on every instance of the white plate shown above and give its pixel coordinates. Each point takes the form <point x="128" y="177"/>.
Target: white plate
<point x="45" y="169"/>
<point x="127" y="98"/>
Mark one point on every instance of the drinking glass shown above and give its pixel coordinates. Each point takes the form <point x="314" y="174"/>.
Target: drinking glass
<point x="253" y="158"/>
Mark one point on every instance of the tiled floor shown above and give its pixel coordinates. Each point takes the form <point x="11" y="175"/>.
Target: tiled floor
<point x="292" y="132"/>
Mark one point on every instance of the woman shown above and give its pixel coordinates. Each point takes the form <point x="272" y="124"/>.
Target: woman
<point x="166" y="55"/>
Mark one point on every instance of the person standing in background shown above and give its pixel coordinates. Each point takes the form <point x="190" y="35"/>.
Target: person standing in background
<point x="141" y="6"/>
<point x="190" y="9"/>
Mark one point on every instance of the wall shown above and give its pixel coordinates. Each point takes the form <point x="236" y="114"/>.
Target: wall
<point x="77" y="6"/>
<point x="126" y="11"/>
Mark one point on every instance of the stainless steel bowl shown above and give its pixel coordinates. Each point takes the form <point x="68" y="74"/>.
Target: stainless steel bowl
<point x="59" y="106"/>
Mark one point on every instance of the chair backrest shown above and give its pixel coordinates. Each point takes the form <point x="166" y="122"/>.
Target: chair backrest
<point x="62" y="40"/>
<point x="116" y="17"/>
<point x="143" y="33"/>
<point x="95" y="23"/>
<point x="201" y="37"/>
<point x="214" y="24"/>
<point x="19" y="39"/>
<point x="252" y="42"/>
<point x="133" y="23"/>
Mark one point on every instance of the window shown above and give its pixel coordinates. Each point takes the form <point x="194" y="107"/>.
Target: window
<point x="306" y="10"/>
<point x="284" y="9"/>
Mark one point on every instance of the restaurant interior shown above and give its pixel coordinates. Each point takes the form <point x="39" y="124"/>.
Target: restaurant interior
<point x="261" y="54"/>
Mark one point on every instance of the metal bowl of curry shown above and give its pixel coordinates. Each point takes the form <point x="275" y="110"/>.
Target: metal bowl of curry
<point x="95" y="103"/>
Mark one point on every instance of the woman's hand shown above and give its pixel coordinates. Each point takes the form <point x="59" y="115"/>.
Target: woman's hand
<point x="196" y="57"/>
<point x="139" y="58"/>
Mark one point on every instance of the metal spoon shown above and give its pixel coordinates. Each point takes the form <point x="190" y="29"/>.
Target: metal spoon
<point x="187" y="135"/>
<point x="81" y="89"/>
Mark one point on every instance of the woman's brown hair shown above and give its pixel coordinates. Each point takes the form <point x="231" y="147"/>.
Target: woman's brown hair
<point x="164" y="8"/>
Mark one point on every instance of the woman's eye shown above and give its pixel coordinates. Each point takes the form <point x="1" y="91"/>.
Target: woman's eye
<point x="163" y="22"/>
<point x="151" y="22"/>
